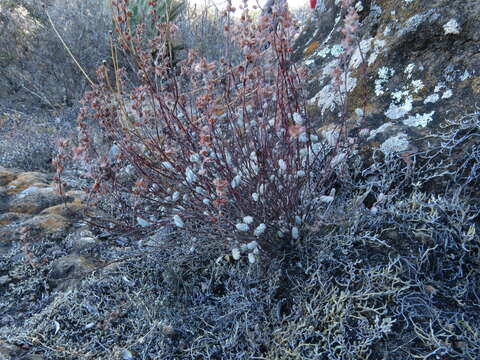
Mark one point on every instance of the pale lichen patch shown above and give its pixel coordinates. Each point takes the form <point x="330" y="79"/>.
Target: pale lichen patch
<point x="325" y="98"/>
<point x="395" y="144"/>
<point x="328" y="97"/>
<point x="360" y="53"/>
<point x="327" y="70"/>
<point x="451" y="27"/>
<point x="378" y="47"/>
<point x="419" y="120"/>
<point x="447" y="94"/>
<point x="379" y="130"/>
<point x="384" y="74"/>
<point x="408" y="70"/>
<point x="466" y="75"/>
<point x="417" y="86"/>
<point x="431" y="99"/>
<point x="439" y="87"/>
<point x="398" y="111"/>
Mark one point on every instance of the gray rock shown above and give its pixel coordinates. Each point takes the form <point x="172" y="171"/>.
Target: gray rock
<point x="35" y="199"/>
<point x="421" y="71"/>
<point x="84" y="243"/>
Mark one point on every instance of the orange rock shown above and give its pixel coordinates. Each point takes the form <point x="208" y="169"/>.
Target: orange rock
<point x="25" y="180"/>
<point x="77" y="194"/>
<point x="34" y="199"/>
<point x="10" y="217"/>
<point x="6" y="176"/>
<point x="74" y="209"/>
<point x="49" y="225"/>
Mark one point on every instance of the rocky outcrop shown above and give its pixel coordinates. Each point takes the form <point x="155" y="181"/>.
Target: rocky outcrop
<point x="415" y="72"/>
<point x="29" y="203"/>
<point x="38" y="256"/>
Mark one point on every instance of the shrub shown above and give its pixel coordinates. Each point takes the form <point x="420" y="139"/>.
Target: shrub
<point x="223" y="150"/>
<point x="30" y="50"/>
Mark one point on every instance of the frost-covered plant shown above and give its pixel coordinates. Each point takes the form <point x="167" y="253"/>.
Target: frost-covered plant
<point x="224" y="150"/>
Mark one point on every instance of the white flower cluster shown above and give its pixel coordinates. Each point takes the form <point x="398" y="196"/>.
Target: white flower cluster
<point x="251" y="250"/>
<point x="252" y="247"/>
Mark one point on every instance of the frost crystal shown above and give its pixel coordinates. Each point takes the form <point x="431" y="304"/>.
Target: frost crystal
<point x="194" y="158"/>
<point x="251" y="258"/>
<point x="261" y="189"/>
<point x="142" y="222"/>
<point x="359" y="6"/>
<point x="200" y="190"/>
<point x="175" y="196"/>
<point x="255" y="197"/>
<point x="167" y="165"/>
<point x="338" y="159"/>
<point x="326" y="199"/>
